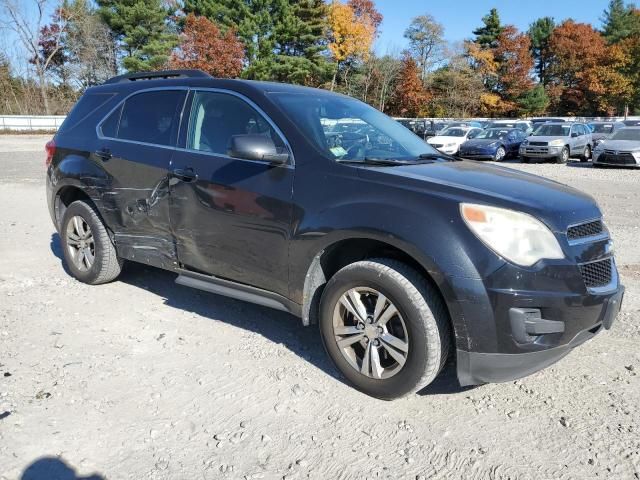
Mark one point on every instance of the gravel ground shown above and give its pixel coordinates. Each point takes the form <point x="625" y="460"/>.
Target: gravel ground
<point x="142" y="378"/>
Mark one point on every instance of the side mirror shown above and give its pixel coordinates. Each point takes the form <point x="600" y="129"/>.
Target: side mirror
<point x="256" y="147"/>
<point x="574" y="134"/>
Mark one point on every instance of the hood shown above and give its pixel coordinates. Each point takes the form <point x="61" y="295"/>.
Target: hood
<point x="481" y="142"/>
<point x="547" y="139"/>
<point x="445" y="139"/>
<point x="555" y="204"/>
<point x="624" y="145"/>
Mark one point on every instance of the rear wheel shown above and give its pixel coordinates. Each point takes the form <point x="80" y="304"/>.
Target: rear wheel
<point x="385" y="328"/>
<point x="586" y="155"/>
<point x="89" y="253"/>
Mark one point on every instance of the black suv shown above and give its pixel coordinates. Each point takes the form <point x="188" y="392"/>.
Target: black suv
<point x="403" y="256"/>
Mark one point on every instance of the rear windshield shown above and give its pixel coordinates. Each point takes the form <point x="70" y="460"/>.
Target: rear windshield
<point x="552" y="131"/>
<point x="601" y="127"/>
<point x="453" y="132"/>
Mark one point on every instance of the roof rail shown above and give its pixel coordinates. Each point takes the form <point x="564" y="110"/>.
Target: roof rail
<point x="133" y="77"/>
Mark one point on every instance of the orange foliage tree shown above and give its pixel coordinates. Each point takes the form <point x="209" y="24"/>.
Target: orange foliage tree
<point x="410" y="97"/>
<point x="513" y="55"/>
<point x="586" y="72"/>
<point x="204" y="47"/>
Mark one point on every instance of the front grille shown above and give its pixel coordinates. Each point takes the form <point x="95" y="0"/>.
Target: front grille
<point x="596" y="274"/>
<point x="617" y="158"/>
<point x="583" y="230"/>
<point x="538" y="144"/>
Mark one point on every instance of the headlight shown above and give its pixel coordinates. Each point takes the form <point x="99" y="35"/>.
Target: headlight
<point x="515" y="236"/>
<point x="556" y="143"/>
<point x="524" y="143"/>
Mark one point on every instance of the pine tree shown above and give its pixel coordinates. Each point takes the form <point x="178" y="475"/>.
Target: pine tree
<point x="617" y="21"/>
<point x="487" y="35"/>
<point x="140" y="27"/>
<point x="539" y="33"/>
<point x="298" y="46"/>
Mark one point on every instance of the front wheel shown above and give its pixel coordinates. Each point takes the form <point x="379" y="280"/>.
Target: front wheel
<point x="586" y="155"/>
<point x="564" y="156"/>
<point x="385" y="327"/>
<point x="500" y="154"/>
<point x="88" y="250"/>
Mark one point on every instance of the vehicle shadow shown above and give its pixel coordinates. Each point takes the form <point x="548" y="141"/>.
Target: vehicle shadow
<point x="579" y="164"/>
<point x="51" y="468"/>
<point x="278" y="327"/>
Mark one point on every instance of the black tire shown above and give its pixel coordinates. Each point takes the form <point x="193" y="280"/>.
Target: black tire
<point x="525" y="159"/>
<point x="106" y="265"/>
<point x="564" y="155"/>
<point x="420" y="307"/>
<point x="586" y="155"/>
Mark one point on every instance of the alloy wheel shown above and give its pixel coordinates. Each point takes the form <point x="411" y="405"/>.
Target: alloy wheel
<point x="370" y="333"/>
<point x="80" y="243"/>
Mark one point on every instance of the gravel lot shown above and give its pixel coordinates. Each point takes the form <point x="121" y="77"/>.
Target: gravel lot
<point x="142" y="378"/>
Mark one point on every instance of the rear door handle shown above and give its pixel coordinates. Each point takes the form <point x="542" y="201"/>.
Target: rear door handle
<point x="185" y="174"/>
<point x="104" y="154"/>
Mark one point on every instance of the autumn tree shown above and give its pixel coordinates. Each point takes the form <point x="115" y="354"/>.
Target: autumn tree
<point x="457" y="90"/>
<point x="582" y="61"/>
<point x="204" y="47"/>
<point x="365" y="12"/>
<point x="426" y="42"/>
<point x="410" y="97"/>
<point x="539" y="33"/>
<point x="513" y="56"/>
<point x="350" y="36"/>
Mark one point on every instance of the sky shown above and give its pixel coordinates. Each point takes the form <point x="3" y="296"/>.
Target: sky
<point x="461" y="17"/>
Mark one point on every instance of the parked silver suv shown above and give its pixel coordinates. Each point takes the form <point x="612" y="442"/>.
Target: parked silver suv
<point x="559" y="142"/>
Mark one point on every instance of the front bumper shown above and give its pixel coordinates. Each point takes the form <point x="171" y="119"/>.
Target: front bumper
<point x="479" y="367"/>
<point x="616" y="159"/>
<point x="540" y="151"/>
<point x="477" y="155"/>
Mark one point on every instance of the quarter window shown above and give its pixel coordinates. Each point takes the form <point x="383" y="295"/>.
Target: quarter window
<point x="148" y="117"/>
<point x="216" y="117"/>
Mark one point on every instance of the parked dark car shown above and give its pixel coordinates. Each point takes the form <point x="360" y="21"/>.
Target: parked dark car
<point x="493" y="144"/>
<point x="417" y="126"/>
<point x="632" y="123"/>
<point x="403" y="255"/>
<point x="602" y="130"/>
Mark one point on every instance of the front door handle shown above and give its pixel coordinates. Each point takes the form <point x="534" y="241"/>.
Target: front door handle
<point x="185" y="174"/>
<point x="104" y="154"/>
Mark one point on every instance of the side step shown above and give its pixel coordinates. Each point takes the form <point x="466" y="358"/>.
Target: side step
<point x="238" y="291"/>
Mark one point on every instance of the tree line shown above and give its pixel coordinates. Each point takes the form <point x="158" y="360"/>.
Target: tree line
<point x="555" y="67"/>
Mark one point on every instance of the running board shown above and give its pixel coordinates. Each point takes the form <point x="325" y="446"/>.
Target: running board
<point x="238" y="291"/>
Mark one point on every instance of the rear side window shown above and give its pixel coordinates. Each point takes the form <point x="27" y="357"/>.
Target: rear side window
<point x="148" y="117"/>
<point x="87" y="104"/>
<point x="216" y="117"/>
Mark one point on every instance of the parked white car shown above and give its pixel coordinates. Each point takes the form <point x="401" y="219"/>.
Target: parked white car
<point x="621" y="149"/>
<point x="450" y="139"/>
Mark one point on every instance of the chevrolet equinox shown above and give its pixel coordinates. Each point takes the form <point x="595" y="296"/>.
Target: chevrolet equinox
<point x="317" y="204"/>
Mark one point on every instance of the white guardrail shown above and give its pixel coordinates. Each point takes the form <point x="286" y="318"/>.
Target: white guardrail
<point x="26" y="123"/>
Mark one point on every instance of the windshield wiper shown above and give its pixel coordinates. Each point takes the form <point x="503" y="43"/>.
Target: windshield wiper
<point x="382" y="162"/>
<point x="438" y="156"/>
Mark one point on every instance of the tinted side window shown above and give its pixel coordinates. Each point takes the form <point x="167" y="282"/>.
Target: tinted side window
<point x="87" y="104"/>
<point x="151" y="117"/>
<point x="109" y="128"/>
<point x="216" y="117"/>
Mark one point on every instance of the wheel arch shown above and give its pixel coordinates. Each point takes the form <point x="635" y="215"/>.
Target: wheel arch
<point x="346" y="251"/>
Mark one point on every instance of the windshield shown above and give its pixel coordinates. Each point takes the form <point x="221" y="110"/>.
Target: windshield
<point x="453" y="132"/>
<point x="550" y="130"/>
<point x="626" y="134"/>
<point x="495" y="133"/>
<point x="348" y="129"/>
<point x="601" y="127"/>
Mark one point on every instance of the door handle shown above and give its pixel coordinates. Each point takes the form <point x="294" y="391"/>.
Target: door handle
<point x="185" y="174"/>
<point x="104" y="154"/>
